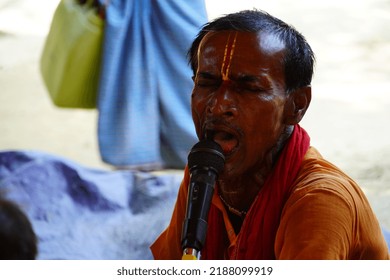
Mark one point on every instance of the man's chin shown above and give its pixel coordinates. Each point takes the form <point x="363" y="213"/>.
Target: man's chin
<point x="231" y="170"/>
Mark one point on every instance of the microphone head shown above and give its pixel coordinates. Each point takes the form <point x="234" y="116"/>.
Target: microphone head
<point x="206" y="154"/>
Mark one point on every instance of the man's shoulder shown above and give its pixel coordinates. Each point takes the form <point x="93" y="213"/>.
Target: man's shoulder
<point x="316" y="173"/>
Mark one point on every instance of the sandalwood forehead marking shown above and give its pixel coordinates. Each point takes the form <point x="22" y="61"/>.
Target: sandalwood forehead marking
<point x="227" y="56"/>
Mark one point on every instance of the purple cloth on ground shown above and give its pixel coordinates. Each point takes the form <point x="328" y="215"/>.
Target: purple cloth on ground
<point x="84" y="213"/>
<point x="386" y="233"/>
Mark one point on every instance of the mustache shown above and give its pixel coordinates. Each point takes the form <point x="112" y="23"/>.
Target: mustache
<point x="218" y="123"/>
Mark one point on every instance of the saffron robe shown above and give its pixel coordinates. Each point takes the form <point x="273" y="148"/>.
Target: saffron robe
<point x="325" y="216"/>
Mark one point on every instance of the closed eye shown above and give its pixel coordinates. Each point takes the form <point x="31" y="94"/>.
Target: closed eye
<point x="205" y="79"/>
<point x="251" y="84"/>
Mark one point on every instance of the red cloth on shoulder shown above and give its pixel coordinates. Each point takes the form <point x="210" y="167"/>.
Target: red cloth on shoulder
<point x="257" y="235"/>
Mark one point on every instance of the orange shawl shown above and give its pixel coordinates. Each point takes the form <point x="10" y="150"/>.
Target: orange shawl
<point x="257" y="235"/>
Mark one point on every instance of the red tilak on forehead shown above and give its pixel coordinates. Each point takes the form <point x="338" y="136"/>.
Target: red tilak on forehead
<point x="227" y="57"/>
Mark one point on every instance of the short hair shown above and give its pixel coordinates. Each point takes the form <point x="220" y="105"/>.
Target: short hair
<point x="298" y="58"/>
<point x="17" y="237"/>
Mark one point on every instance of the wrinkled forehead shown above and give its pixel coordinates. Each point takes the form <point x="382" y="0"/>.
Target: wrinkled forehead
<point x="243" y="44"/>
<point x="240" y="51"/>
<point x="218" y="40"/>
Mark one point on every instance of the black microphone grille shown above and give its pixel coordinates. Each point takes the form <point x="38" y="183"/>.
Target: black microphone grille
<point x="206" y="153"/>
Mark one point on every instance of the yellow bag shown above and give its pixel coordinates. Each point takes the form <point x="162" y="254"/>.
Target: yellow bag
<point x="71" y="55"/>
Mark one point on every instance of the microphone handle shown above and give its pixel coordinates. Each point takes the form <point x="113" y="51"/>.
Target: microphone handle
<point x="201" y="190"/>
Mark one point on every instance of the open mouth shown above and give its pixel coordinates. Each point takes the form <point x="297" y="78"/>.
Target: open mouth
<point x="226" y="140"/>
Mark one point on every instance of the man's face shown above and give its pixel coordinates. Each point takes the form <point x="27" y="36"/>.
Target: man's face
<point x="239" y="96"/>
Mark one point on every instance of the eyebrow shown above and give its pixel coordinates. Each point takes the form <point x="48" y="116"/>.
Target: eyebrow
<point x="248" y="78"/>
<point x="208" y="75"/>
<point x="238" y="78"/>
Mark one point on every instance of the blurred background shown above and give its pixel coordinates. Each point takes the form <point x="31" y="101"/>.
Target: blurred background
<point x="348" y="118"/>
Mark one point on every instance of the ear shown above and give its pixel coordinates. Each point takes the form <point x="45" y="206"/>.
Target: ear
<point x="297" y="104"/>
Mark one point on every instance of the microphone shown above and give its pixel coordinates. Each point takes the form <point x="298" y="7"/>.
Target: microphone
<point x="205" y="161"/>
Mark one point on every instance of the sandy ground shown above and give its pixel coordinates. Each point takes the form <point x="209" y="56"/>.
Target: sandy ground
<point x="347" y="120"/>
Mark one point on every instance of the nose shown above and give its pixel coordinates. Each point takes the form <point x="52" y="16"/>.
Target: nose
<point x="223" y="102"/>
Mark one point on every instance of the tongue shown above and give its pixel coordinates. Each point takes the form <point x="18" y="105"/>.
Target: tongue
<point x="226" y="141"/>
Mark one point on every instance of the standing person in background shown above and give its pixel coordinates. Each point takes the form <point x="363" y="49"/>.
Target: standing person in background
<point x="277" y="197"/>
<point x="144" y="107"/>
